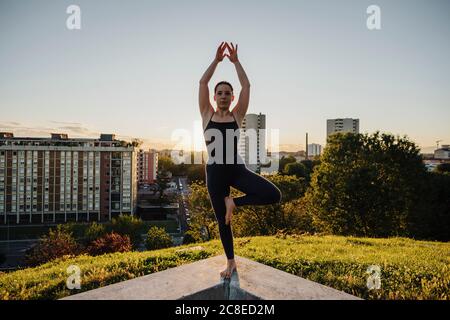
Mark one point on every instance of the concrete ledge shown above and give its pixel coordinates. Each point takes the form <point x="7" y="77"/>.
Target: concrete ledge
<point x="201" y="281"/>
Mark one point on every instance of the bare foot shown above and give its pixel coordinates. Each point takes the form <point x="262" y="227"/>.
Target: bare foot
<point x="231" y="266"/>
<point x="229" y="204"/>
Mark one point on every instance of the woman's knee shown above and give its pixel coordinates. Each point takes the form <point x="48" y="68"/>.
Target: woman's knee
<point x="274" y="195"/>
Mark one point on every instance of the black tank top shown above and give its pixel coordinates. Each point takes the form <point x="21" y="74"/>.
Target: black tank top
<point x="222" y="127"/>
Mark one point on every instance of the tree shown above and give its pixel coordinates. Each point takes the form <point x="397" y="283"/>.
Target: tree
<point x="196" y="172"/>
<point x="366" y="185"/>
<point x="165" y="164"/>
<point x="284" y="161"/>
<point x="202" y="213"/>
<point x="130" y="226"/>
<point x="443" y="168"/>
<point x="297" y="169"/>
<point x="431" y="218"/>
<point x="162" y="179"/>
<point x="158" y="238"/>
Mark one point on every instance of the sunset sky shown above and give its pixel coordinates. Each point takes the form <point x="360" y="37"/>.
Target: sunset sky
<point x="133" y="68"/>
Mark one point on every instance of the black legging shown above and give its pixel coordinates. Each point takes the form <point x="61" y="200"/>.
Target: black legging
<point x="258" y="191"/>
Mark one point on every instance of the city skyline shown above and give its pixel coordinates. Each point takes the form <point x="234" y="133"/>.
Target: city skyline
<point x="124" y="71"/>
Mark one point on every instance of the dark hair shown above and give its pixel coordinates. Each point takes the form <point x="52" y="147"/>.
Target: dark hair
<point x="223" y="82"/>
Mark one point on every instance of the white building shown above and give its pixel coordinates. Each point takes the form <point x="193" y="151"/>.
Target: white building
<point x="252" y="142"/>
<point x="314" y="149"/>
<point x="342" y="125"/>
<point x="442" y="153"/>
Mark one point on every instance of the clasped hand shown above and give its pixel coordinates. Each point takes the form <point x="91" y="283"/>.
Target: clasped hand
<point x="232" y="52"/>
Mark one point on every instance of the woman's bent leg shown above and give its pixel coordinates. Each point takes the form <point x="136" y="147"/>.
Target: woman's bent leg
<point x="258" y="190"/>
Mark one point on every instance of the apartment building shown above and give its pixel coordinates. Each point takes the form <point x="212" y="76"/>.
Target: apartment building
<point x="57" y="179"/>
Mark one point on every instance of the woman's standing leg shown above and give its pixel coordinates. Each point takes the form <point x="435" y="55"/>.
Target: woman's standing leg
<point x="218" y="188"/>
<point x="226" y="236"/>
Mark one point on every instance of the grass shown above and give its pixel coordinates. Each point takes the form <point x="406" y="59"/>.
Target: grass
<point x="409" y="269"/>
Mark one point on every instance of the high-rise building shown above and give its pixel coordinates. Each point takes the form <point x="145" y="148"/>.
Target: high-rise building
<point x="442" y="153"/>
<point x="342" y="125"/>
<point x="58" y="179"/>
<point x="252" y="142"/>
<point x="314" y="149"/>
<point x="147" y="166"/>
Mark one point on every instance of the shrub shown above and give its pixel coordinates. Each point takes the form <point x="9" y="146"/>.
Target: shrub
<point x="192" y="236"/>
<point x="94" y="232"/>
<point x="443" y="168"/>
<point x="57" y="243"/>
<point x="157" y="238"/>
<point x="109" y="243"/>
<point x="130" y="226"/>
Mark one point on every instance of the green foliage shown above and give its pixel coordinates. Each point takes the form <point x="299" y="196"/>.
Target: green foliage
<point x="443" y="168"/>
<point x="196" y="172"/>
<point x="430" y="219"/>
<point x="284" y="161"/>
<point x="192" y="236"/>
<point x="56" y="244"/>
<point x="130" y="226"/>
<point x="158" y="238"/>
<point x="410" y="269"/>
<point x="366" y="185"/>
<point x="94" y="231"/>
<point x="249" y="220"/>
<point x="202" y="213"/>
<point x="165" y="164"/>
<point x="291" y="187"/>
<point x="297" y="169"/>
<point x="110" y="243"/>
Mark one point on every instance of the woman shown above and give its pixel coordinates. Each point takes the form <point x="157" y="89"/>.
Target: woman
<point x="220" y="173"/>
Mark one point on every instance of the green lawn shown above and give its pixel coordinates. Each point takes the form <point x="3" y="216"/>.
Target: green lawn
<point x="409" y="269"/>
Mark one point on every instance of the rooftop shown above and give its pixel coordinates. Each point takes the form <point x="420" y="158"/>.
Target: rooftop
<point x="201" y="281"/>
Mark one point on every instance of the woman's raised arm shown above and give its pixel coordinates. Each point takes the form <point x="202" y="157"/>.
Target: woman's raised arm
<point x="203" y="95"/>
<point x="244" y="97"/>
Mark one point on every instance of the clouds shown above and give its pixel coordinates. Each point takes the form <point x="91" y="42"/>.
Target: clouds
<point x="73" y="129"/>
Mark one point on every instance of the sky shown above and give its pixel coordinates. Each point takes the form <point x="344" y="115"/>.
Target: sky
<point x="133" y="67"/>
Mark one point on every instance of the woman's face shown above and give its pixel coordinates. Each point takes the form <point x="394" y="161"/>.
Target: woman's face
<point x="223" y="96"/>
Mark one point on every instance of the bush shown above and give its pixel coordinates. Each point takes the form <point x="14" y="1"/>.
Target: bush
<point x="443" y="168"/>
<point x="57" y="243"/>
<point x="192" y="236"/>
<point x="157" y="238"/>
<point x="109" y="243"/>
<point x="94" y="232"/>
<point x="130" y="226"/>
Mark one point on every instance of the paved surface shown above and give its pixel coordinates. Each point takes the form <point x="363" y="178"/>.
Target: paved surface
<point x="201" y="280"/>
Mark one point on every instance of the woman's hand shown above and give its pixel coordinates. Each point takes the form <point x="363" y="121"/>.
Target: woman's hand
<point x="233" y="53"/>
<point x="220" y="51"/>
